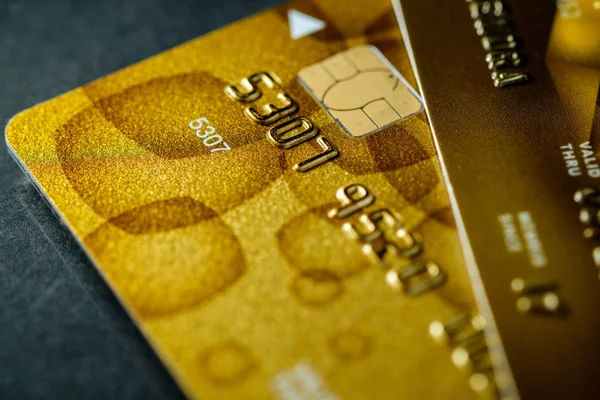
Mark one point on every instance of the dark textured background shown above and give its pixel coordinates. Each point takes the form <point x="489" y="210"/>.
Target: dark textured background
<point x="62" y="332"/>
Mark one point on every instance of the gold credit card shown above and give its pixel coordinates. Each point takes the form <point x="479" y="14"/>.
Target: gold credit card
<point x="511" y="91"/>
<point x="267" y="204"/>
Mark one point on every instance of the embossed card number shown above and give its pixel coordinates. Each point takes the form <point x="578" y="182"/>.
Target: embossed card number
<point x="386" y="241"/>
<point x="283" y="133"/>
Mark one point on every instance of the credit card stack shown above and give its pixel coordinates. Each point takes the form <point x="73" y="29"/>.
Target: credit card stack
<point x="348" y="199"/>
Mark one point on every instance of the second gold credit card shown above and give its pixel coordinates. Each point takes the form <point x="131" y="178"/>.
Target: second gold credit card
<point x="513" y="111"/>
<point x="267" y="204"/>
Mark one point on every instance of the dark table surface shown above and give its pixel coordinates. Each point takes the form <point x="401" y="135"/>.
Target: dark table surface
<point x="62" y="332"/>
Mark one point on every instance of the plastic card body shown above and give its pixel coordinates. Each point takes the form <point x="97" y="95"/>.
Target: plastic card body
<point x="267" y="204"/>
<point x="511" y="91"/>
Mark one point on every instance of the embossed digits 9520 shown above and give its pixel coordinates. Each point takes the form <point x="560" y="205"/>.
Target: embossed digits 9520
<point x="399" y="252"/>
<point x="386" y="241"/>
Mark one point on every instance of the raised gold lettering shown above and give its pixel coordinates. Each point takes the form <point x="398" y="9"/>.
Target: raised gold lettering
<point x="329" y="153"/>
<point x="501" y="60"/>
<point x="504" y="79"/>
<point x="273" y="113"/>
<point x="537" y="297"/>
<point x="417" y="278"/>
<point x="250" y="91"/>
<point x="277" y="135"/>
<point x="353" y="199"/>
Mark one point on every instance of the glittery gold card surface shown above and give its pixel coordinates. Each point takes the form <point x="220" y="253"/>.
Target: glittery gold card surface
<point x="511" y="91"/>
<point x="263" y="251"/>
